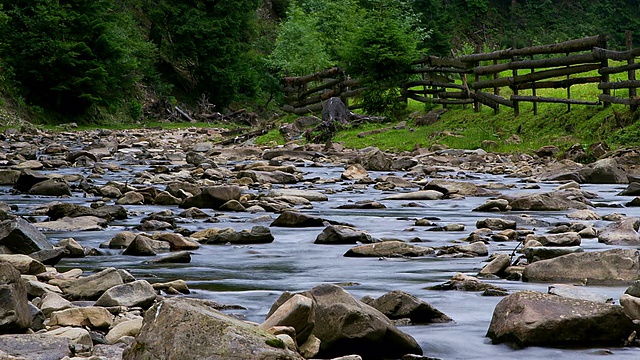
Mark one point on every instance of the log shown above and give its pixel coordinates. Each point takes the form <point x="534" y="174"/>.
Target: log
<point x="617" y="100"/>
<point x="432" y="69"/>
<point x="627" y="84"/>
<point x="540" y="99"/>
<point x="492" y="100"/>
<point x="618" y="69"/>
<point x="575" y="45"/>
<point x="414" y="83"/>
<point x="604" y="54"/>
<point x="427" y="100"/>
<point x="531" y="77"/>
<point x="531" y="64"/>
<point x="436" y="61"/>
<point x="558" y="84"/>
<point x="301" y="80"/>
<point x="453" y="95"/>
<point x="184" y="114"/>
<point x="324" y="86"/>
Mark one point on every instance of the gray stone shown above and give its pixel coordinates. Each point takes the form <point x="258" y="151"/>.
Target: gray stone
<point x="15" y="315"/>
<point x="392" y="248"/>
<point x="529" y="318"/>
<point x="182" y="328"/>
<point x="340" y="234"/>
<point x="398" y="304"/>
<point x="496" y="224"/>
<point x="23" y="263"/>
<point x="140" y="246"/>
<point x="623" y="232"/>
<point x="538" y="252"/>
<point x="563" y="239"/>
<point x="51" y="187"/>
<point x="417" y="195"/>
<point x="36" y="346"/>
<point x="496" y="266"/>
<point x="605" y="171"/>
<point x="212" y="197"/>
<point x="257" y="235"/>
<point x="92" y="286"/>
<point x="21" y="237"/>
<point x="297" y="312"/>
<point x="138" y="293"/>
<point x="307" y="194"/>
<point x="577" y="292"/>
<point x="81" y="223"/>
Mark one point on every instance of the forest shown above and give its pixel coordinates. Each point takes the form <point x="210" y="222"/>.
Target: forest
<point x="108" y="61"/>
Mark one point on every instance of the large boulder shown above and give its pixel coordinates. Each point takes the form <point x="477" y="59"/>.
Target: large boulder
<point x="182" y="328"/>
<point x="605" y="171"/>
<point x="398" y="304"/>
<point x="347" y="326"/>
<point x="94" y="317"/>
<point x="458" y="188"/>
<point x="269" y="177"/>
<point x="297" y="219"/>
<point x="553" y="201"/>
<point x="108" y="212"/>
<point x="81" y="223"/>
<point x="213" y="197"/>
<point x="21" y="237"/>
<point x="28" y="178"/>
<point x="14" y="306"/>
<point x="534" y="318"/>
<point x="51" y="187"/>
<point x="9" y="176"/>
<point x="310" y="195"/>
<point x="297" y="312"/>
<point x="137" y="293"/>
<point x="623" y="232"/>
<point x="616" y="266"/>
<point x="257" y="235"/>
<point x="562" y="239"/>
<point x="25" y="264"/>
<point x="341" y="234"/>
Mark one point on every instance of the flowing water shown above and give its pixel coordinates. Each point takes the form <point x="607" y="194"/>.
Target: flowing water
<point x="254" y="276"/>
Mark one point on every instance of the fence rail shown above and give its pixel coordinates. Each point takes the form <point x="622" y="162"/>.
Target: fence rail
<point x="480" y="82"/>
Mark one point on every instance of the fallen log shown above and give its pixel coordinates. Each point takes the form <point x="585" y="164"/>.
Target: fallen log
<point x="491" y="100"/>
<point x="604" y="54"/>
<point x="540" y="99"/>
<point x="557" y="84"/>
<point x="618" y="100"/>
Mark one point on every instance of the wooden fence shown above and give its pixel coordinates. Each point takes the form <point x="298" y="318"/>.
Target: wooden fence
<point x="479" y="82"/>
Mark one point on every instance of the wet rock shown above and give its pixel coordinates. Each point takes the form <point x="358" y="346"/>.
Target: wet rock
<point x="164" y="198"/>
<point x="197" y="331"/>
<point x="120" y="241"/>
<point x="477" y="248"/>
<point x="193" y="213"/>
<point x="180" y="257"/>
<point x="631" y="306"/>
<point x="174" y="287"/>
<point x="137" y="293"/>
<point x="398" y="304"/>
<point x="554" y="201"/>
<point x="21" y="237"/>
<point x="9" y="177"/>
<point x="81" y="223"/>
<point x="392" y="248"/>
<point x="355" y="172"/>
<point x="107" y="212"/>
<point x="496" y="266"/>
<point x="496" y="224"/>
<point x="257" y="235"/>
<point x="459" y="188"/>
<point x="347" y="326"/>
<point x="462" y="282"/>
<point x="212" y="197"/>
<point x="90" y="287"/>
<point x="538" y="252"/>
<point x="51" y="187"/>
<point x="417" y="195"/>
<point x="563" y="239"/>
<point x="340" y="234"/>
<point x="177" y="242"/>
<point x="49" y="256"/>
<point x="130" y="198"/>
<point x="532" y="318"/>
<point x="494" y="205"/>
<point x="72" y="248"/>
<point x="273" y="177"/>
<point x="140" y="246"/>
<point x="632" y="190"/>
<point x="154" y="225"/>
<point x="577" y="292"/>
<point x="297" y="312"/>
<point x="51" y="302"/>
<point x="307" y="194"/>
<point x="232" y="205"/>
<point x="27" y="179"/>
<point x="23" y="263"/>
<point x="605" y="171"/>
<point x="584" y="215"/>
<point x="610" y="267"/>
<point x="35" y="346"/>
<point x="623" y="232"/>
<point x="297" y="219"/>
<point x="94" y="317"/>
<point x="15" y="316"/>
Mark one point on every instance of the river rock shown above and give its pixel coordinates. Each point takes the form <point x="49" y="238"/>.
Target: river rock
<point x="94" y="317"/>
<point x="297" y="312"/>
<point x="80" y="338"/>
<point x="51" y="302"/>
<point x="173" y="287"/>
<point x="130" y="198"/>
<point x="347" y="326"/>
<point x="417" y="195"/>
<point x="140" y="246"/>
<point x="49" y="256"/>
<point x="584" y="215"/>
<point x="462" y="282"/>
<point x="496" y="224"/>
<point x="609" y="267"/>
<point x="476" y="248"/>
<point x="398" y="304"/>
<point x="212" y="197"/>
<point x="195" y="330"/>
<point x="176" y="241"/>
<point x="530" y="318"/>
<point x="257" y="235"/>
<point x="307" y="194"/>
<point x="81" y="223"/>
<point x="496" y="266"/>
<point x="72" y="248"/>
<point x="27" y="179"/>
<point x="179" y="257"/>
<point x="393" y="248"/>
<point x="51" y="187"/>
<point x="120" y="241"/>
<point x="563" y="239"/>
<point x="494" y="205"/>
<point x="538" y="252"/>
<point x="125" y="328"/>
<point x="355" y="172"/>
<point x="137" y="293"/>
<point x="14" y="305"/>
<point x="25" y="264"/>
<point x="107" y="212"/>
<point x="35" y="347"/>
<point x="553" y="201"/>
<point x="21" y="237"/>
<point x="272" y="177"/>
<point x="623" y="232"/>
<point x="92" y="286"/>
<point x="632" y="190"/>
<point x="460" y="188"/>
<point x="340" y="234"/>
<point x="373" y="159"/>
<point x="9" y="176"/>
<point x="605" y="171"/>
<point x="297" y="219"/>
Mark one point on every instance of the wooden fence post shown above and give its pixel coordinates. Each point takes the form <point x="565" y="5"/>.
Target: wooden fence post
<point x="568" y="89"/>
<point x="496" y="90"/>
<point x="534" y="93"/>
<point x="476" y="103"/>
<point x="632" y="73"/>
<point x="516" y="104"/>
<point x="605" y="77"/>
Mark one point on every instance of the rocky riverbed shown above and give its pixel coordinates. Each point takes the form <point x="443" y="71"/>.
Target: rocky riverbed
<point x="159" y="244"/>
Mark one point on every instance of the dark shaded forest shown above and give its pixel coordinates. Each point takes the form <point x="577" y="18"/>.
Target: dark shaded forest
<point x="107" y="61"/>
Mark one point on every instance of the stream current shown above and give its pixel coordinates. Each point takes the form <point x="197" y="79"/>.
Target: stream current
<point x="254" y="276"/>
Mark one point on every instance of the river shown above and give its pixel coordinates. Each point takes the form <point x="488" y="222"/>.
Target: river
<point x="255" y="276"/>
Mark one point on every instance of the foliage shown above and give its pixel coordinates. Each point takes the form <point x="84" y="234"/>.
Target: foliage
<point x="380" y="54"/>
<point x="72" y="55"/>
